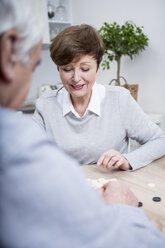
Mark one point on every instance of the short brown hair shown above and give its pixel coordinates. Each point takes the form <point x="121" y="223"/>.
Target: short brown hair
<point x="75" y="41"/>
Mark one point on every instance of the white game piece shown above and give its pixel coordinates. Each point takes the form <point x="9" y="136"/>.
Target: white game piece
<point x="151" y="185"/>
<point x="98" y="183"/>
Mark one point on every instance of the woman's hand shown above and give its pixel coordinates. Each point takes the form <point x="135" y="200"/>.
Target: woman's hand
<point x="113" y="158"/>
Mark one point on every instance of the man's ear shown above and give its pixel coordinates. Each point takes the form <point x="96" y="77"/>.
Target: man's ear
<point x="7" y="55"/>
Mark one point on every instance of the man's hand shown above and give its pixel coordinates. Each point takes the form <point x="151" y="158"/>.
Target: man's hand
<point x="113" y="158"/>
<point x="118" y="192"/>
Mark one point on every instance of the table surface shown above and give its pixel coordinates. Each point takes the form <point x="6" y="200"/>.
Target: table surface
<point x="139" y="182"/>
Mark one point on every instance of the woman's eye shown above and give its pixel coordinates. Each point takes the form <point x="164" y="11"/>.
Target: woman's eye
<point x="85" y="69"/>
<point x="67" y="69"/>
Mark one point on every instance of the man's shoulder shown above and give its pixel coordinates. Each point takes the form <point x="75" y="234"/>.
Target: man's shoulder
<point x="25" y="141"/>
<point x="19" y="132"/>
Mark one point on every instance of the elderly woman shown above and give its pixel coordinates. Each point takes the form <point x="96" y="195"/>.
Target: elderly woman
<point x="90" y="121"/>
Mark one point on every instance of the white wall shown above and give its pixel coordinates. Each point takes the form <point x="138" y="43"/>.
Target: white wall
<point x="147" y="69"/>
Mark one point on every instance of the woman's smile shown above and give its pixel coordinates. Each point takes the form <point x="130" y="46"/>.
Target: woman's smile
<point x="78" y="87"/>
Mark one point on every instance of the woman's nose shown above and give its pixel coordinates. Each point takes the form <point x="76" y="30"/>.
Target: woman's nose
<point x="76" y="76"/>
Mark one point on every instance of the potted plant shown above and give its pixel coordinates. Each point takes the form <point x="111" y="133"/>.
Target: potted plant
<point x="124" y="40"/>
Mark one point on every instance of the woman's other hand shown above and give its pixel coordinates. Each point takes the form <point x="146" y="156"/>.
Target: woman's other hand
<point x="115" y="159"/>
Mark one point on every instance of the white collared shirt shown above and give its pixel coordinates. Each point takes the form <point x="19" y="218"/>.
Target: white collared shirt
<point x="98" y="93"/>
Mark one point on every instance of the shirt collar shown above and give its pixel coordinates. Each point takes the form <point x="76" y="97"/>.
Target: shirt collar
<point x="98" y="93"/>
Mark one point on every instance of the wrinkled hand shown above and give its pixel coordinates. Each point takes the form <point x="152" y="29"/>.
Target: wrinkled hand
<point x="119" y="193"/>
<point x="113" y="158"/>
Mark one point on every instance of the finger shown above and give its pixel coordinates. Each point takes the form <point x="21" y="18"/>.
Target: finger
<point x="100" y="160"/>
<point x="110" y="153"/>
<point x="112" y="162"/>
<point x="106" y="160"/>
<point x="118" y="164"/>
<point x="106" y="185"/>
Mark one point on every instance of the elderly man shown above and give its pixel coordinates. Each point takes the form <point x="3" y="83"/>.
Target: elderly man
<point x="45" y="200"/>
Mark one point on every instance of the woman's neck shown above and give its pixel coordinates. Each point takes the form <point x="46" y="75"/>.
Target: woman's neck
<point x="80" y="104"/>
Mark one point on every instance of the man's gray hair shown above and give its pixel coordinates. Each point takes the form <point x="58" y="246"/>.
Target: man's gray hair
<point x="20" y="15"/>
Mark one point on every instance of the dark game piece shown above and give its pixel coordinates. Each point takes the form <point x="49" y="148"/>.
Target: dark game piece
<point x="140" y="204"/>
<point x="156" y="199"/>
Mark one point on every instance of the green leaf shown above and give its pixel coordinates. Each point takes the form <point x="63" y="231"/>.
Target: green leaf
<point x="127" y="39"/>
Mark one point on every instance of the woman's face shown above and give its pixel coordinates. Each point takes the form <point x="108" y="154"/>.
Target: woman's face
<point x="79" y="76"/>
